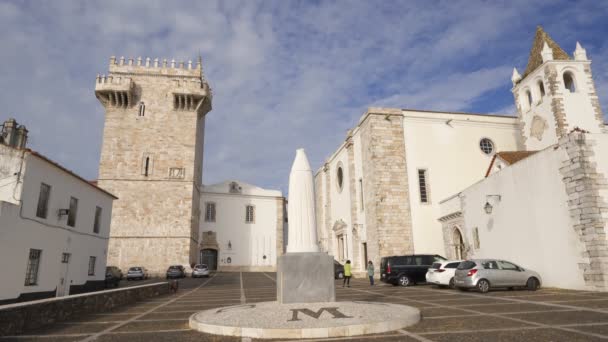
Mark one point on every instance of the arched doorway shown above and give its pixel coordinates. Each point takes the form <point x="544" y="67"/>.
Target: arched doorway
<point x="458" y="244"/>
<point x="209" y="257"/>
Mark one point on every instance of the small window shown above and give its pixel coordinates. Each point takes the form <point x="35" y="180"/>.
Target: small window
<point x="507" y="266"/>
<point x="97" y="223"/>
<point x="490" y="265"/>
<point x="423" y="186"/>
<point x="529" y="97"/>
<point x="142" y="109"/>
<point x="476" y="237"/>
<point x="418" y="260"/>
<point x="486" y="145"/>
<point x="43" y="200"/>
<point x="147" y="166"/>
<point x="73" y="211"/>
<point x="569" y="82"/>
<point x="361" y="192"/>
<point x="33" y="263"/>
<point x="452" y="265"/>
<point x="250" y="214"/>
<point x="340" y="177"/>
<point x="466" y="265"/>
<point x="210" y="212"/>
<point x="92" y="265"/>
<point x="541" y="89"/>
<point x="65" y="258"/>
<point x="436" y="266"/>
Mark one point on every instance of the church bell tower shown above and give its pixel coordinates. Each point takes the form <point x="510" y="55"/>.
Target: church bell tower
<point x="151" y="159"/>
<point x="555" y="94"/>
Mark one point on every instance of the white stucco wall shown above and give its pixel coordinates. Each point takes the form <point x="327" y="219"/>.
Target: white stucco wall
<point x="250" y="241"/>
<point x="21" y="230"/>
<point x="341" y="204"/>
<point x="530" y="224"/>
<point x="447" y="146"/>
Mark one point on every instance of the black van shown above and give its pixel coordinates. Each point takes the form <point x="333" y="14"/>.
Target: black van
<point x="406" y="270"/>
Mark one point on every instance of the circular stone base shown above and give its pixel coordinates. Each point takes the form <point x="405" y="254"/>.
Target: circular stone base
<point x="304" y="320"/>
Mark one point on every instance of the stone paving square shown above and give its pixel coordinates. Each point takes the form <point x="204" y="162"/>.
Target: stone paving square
<point x="447" y="315"/>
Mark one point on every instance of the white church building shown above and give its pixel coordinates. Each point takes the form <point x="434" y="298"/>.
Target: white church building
<point x="242" y="227"/>
<point x="529" y="188"/>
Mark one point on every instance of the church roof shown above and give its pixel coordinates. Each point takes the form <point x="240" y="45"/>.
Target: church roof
<point x="509" y="157"/>
<point x="535" y="59"/>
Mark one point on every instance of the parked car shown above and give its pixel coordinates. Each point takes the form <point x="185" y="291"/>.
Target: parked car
<point x="200" y="270"/>
<point x="137" y="272"/>
<point x="484" y="274"/>
<point x="407" y="270"/>
<point x="338" y="270"/>
<point x="112" y="278"/>
<point x="442" y="273"/>
<point x="176" y="271"/>
<point x="117" y="272"/>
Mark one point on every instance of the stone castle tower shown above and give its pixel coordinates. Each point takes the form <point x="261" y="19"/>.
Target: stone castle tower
<point x="152" y="158"/>
<point x="555" y="94"/>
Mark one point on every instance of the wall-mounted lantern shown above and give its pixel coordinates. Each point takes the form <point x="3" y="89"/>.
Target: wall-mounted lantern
<point x="488" y="207"/>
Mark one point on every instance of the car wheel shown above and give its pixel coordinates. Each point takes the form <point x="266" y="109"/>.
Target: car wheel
<point x="452" y="284"/>
<point x="532" y="284"/>
<point x="483" y="286"/>
<point x="340" y="275"/>
<point x="404" y="281"/>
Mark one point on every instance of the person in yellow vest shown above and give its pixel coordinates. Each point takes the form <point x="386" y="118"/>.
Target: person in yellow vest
<point x="347" y="274"/>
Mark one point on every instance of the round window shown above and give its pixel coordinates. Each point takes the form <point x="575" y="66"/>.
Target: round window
<point x="486" y="145"/>
<point x="340" y="175"/>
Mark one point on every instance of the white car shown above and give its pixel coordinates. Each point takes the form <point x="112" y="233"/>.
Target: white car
<point x="200" y="270"/>
<point x="442" y="273"/>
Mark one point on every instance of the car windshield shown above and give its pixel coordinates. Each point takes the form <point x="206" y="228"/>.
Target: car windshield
<point x="436" y="265"/>
<point x="174" y="268"/>
<point x="466" y="265"/>
<point x="200" y="266"/>
<point x="134" y="269"/>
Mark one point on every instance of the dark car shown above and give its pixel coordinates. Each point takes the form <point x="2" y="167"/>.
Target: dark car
<point x="338" y="270"/>
<point x="112" y="277"/>
<point x="116" y="272"/>
<point x="176" y="271"/>
<point x="406" y="270"/>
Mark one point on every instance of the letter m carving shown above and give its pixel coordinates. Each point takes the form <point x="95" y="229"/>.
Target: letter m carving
<point x="333" y="311"/>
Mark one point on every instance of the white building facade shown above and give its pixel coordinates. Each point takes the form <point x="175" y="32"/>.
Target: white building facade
<point x="54" y="229"/>
<point x="378" y="194"/>
<point x="545" y="207"/>
<point x="242" y="227"/>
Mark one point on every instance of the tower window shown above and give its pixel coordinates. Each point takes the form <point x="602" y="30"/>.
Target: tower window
<point x="541" y="89"/>
<point x="361" y="191"/>
<point x="569" y="82"/>
<point x="142" y="109"/>
<point x="250" y="214"/>
<point x="423" y="186"/>
<point x="486" y="145"/>
<point x="529" y="97"/>
<point x="147" y="166"/>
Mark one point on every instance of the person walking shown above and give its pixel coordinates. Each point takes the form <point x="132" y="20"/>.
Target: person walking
<point x="347" y="274"/>
<point x="370" y="272"/>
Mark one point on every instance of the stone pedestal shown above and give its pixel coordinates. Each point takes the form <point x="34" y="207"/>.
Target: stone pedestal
<point x="305" y="278"/>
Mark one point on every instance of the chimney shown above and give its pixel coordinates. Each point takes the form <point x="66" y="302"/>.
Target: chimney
<point x="12" y="134"/>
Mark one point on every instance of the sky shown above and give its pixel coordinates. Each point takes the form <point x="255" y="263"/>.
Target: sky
<point x="285" y="74"/>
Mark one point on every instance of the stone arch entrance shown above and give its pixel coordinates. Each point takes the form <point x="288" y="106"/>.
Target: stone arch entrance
<point x="458" y="244"/>
<point x="209" y="257"/>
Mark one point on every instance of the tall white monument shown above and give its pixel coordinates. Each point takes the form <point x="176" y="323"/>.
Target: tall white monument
<point x="302" y="236"/>
<point x="304" y="275"/>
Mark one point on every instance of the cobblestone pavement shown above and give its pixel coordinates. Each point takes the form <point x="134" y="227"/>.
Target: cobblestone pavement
<point x="448" y="315"/>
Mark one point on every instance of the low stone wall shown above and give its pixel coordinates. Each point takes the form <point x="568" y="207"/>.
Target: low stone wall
<point x="22" y="317"/>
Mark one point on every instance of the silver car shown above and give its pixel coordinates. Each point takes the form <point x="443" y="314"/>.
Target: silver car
<point x="200" y="270"/>
<point x="137" y="273"/>
<point x="484" y="274"/>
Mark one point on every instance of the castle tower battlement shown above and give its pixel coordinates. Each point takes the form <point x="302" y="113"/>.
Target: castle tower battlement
<point x="156" y="66"/>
